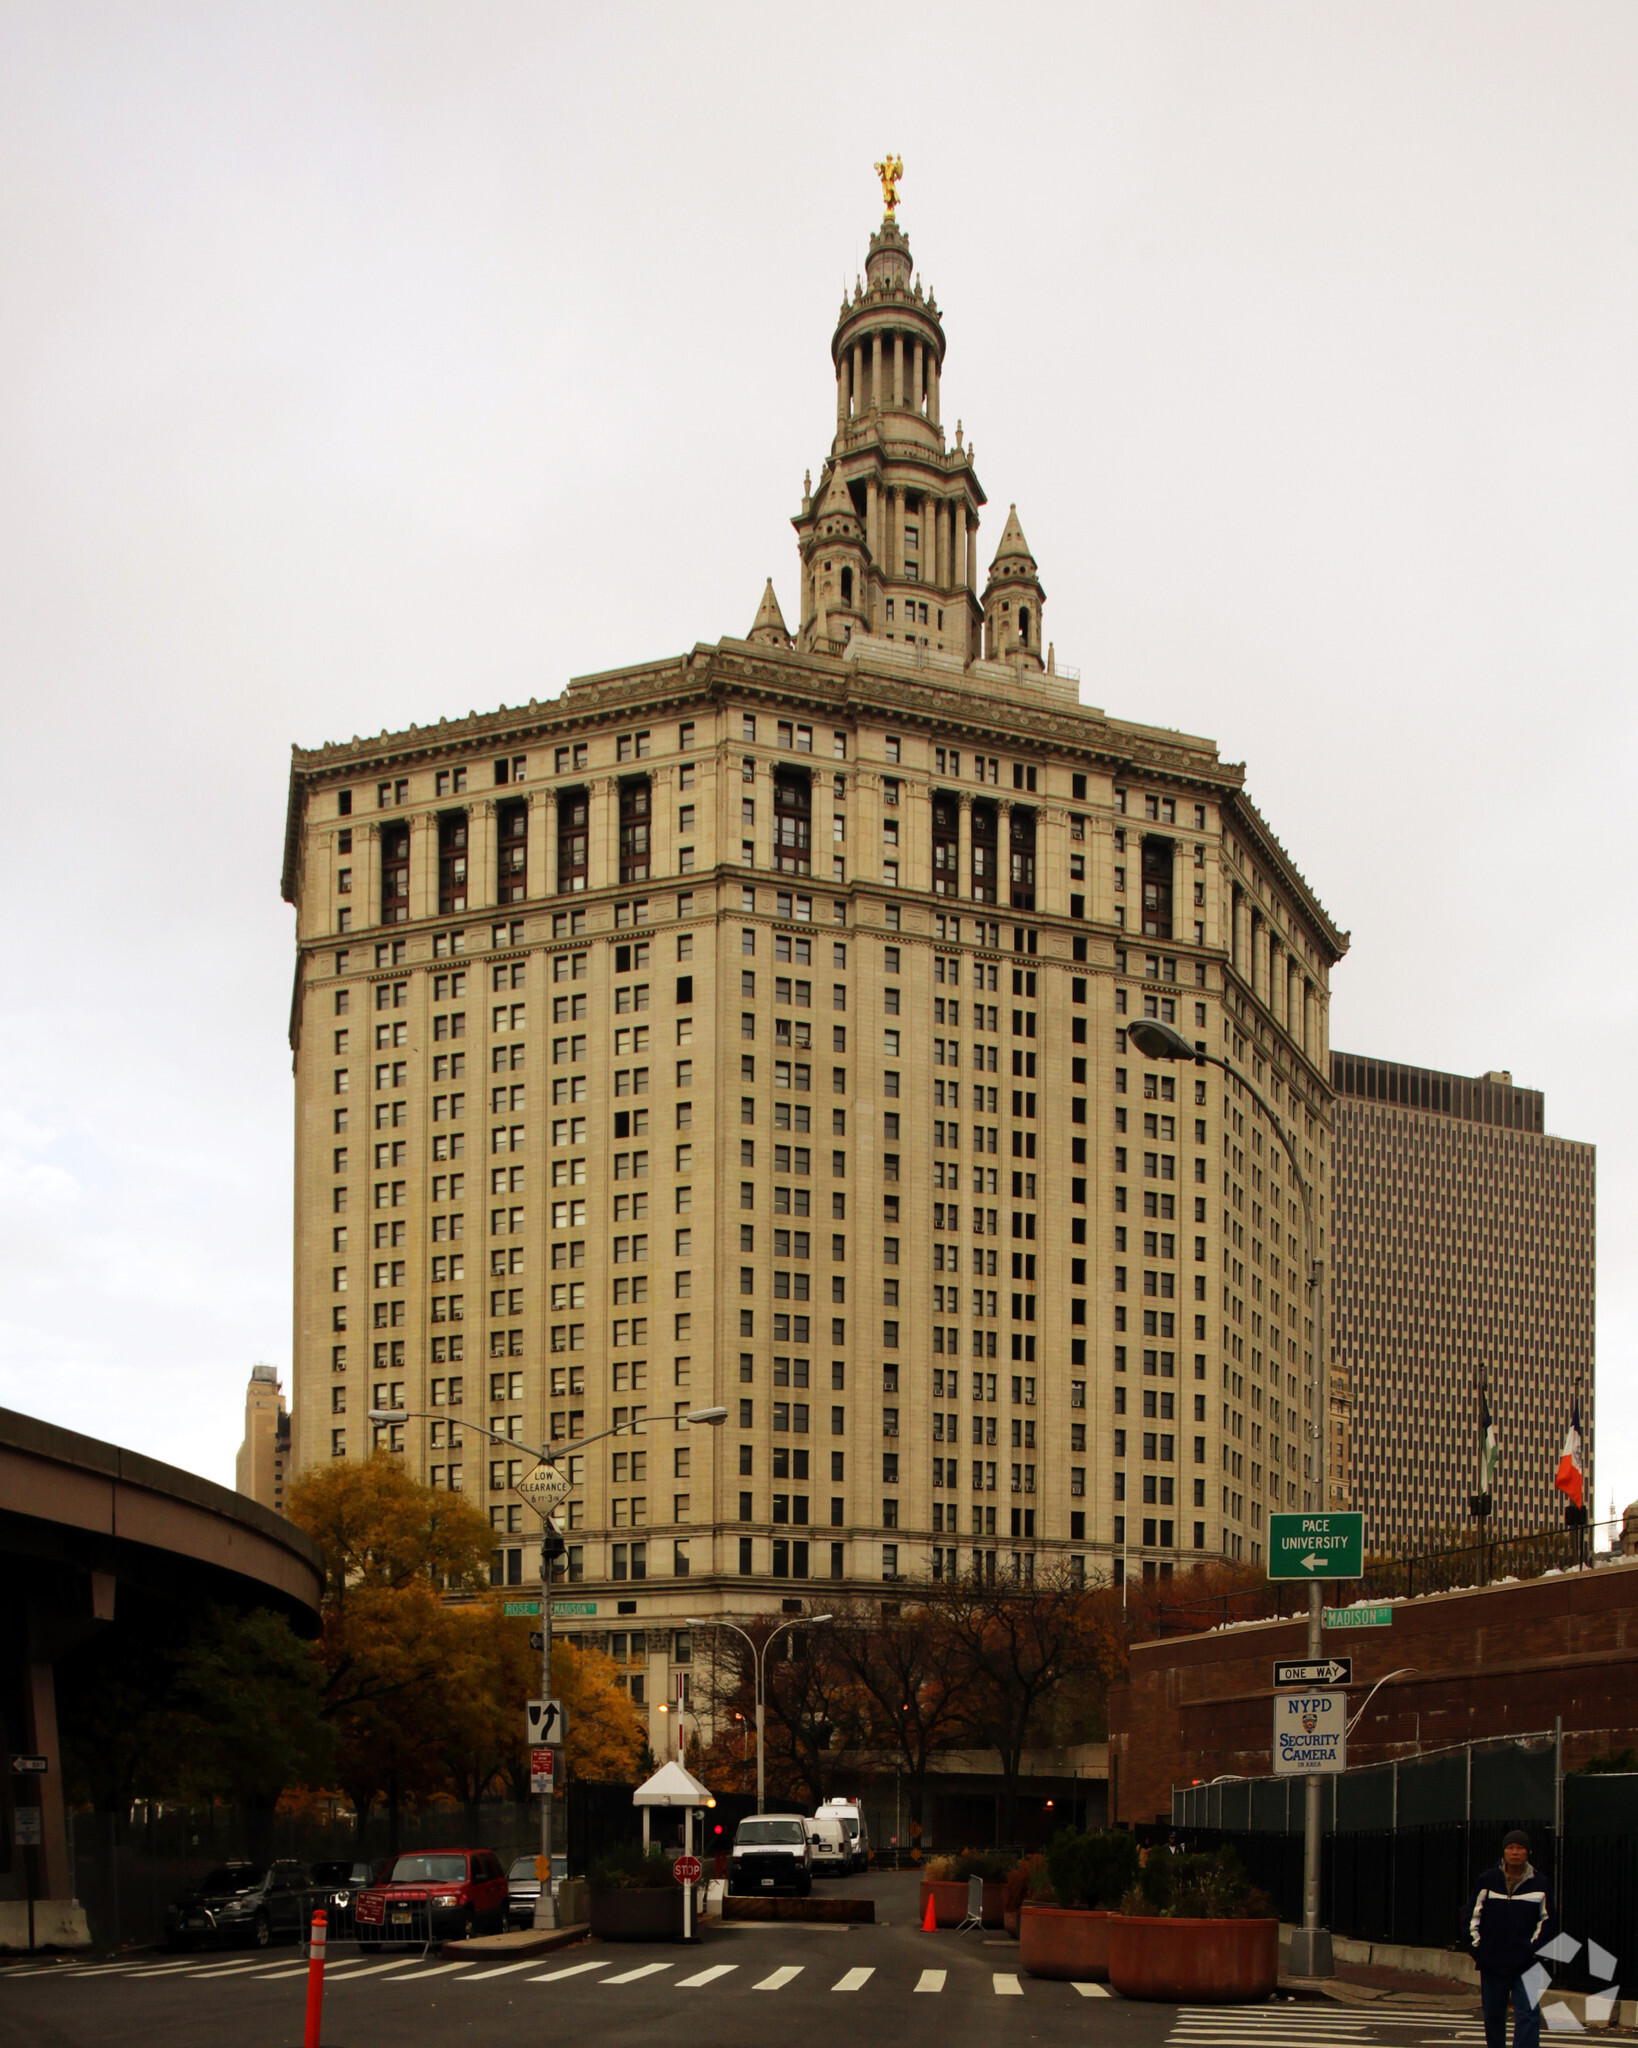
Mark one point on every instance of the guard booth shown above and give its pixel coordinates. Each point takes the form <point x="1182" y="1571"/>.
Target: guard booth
<point x="671" y="1786"/>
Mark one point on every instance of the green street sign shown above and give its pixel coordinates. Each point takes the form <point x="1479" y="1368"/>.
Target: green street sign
<point x="520" y="1607"/>
<point x="574" y="1606"/>
<point x="1358" y="1617"/>
<point x="1316" y="1546"/>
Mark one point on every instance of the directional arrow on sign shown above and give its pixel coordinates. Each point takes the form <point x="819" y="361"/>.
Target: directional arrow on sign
<point x="1315" y="1671"/>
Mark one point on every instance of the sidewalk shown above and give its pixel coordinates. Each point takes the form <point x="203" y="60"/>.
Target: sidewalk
<point x="1449" y="1986"/>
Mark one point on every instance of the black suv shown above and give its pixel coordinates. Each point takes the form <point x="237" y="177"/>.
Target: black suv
<point x="254" y="1903"/>
<point x="336" y="1887"/>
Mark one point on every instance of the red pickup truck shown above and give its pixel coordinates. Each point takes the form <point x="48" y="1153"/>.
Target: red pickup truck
<point x="433" y="1895"/>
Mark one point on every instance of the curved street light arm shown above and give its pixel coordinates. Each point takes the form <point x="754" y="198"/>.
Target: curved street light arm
<point x="1409" y="1671"/>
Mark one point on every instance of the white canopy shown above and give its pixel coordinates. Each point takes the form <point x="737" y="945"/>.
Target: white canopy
<point x="671" y="1785"/>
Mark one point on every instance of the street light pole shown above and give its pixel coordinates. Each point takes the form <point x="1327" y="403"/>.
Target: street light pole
<point x="1310" y="1943"/>
<point x="757" y="1656"/>
<point x="551" y="1548"/>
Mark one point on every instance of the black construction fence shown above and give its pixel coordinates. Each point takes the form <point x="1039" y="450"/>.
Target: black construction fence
<point x="127" y="1869"/>
<point x="1403" y="1843"/>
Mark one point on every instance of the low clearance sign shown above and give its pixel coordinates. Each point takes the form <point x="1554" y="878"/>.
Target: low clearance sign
<point x="1310" y="1733"/>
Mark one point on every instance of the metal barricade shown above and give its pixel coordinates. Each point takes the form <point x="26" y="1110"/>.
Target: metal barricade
<point x="406" y="1923"/>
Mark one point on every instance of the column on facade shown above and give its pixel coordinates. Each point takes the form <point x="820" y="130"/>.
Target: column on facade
<point x="603" y="832"/>
<point x="964" y="846"/>
<point x="918" y="374"/>
<point x="1242" y="923"/>
<point x="423" y="875"/>
<point x="542" y="842"/>
<point x="873" y="522"/>
<point x="915" y="836"/>
<point x="1293" y="1000"/>
<point x="941" y="542"/>
<point x="932" y="387"/>
<point x="367" y="876"/>
<point x="1182" y="894"/>
<point x="972" y="558"/>
<point x="1052" y="861"/>
<point x="763" y="790"/>
<point x="857" y="394"/>
<point x="894" y="552"/>
<point x="1259" y="956"/>
<point x="958" y="522"/>
<point x="662" y="822"/>
<point x="1003" y="854"/>
<point x="898" y="369"/>
<point x="482" y="856"/>
<point x="841" y="389"/>
<point x="876" y="371"/>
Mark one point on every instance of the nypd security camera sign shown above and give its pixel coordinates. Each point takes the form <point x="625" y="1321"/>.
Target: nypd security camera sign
<point x="1310" y="1733"/>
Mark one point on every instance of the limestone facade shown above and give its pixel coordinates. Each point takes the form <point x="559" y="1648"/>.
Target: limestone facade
<point x="749" y="1028"/>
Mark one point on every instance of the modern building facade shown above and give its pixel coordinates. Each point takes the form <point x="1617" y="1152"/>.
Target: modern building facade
<point x="264" y="1457"/>
<point x="749" y="1028"/>
<point x="1464" y="1250"/>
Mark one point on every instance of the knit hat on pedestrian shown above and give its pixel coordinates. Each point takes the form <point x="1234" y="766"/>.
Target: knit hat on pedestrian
<point x="1515" y="1835"/>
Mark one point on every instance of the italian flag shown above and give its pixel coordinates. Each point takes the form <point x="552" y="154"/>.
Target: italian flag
<point x="1570" y="1468"/>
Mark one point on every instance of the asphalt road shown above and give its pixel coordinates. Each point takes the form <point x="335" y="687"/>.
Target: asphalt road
<point x="811" y="1987"/>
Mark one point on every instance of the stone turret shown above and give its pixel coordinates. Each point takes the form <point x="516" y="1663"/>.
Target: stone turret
<point x="835" y="566"/>
<point x="1014" y="600"/>
<point x="768" y="628"/>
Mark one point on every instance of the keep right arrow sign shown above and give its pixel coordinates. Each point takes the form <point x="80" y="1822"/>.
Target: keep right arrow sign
<point x="1317" y="1671"/>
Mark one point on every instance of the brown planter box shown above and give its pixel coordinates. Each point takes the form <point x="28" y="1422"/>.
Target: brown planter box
<point x="1009" y="1920"/>
<point x="652" y="1914"/>
<point x="949" y="1901"/>
<point x="1064" y="1942"/>
<point x="1212" y="1962"/>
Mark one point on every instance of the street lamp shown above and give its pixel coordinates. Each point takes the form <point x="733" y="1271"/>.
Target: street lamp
<point x="1311" y="1946"/>
<point x="545" y="1499"/>
<point x="757" y="1661"/>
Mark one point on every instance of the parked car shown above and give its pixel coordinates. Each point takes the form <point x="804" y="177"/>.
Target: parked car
<point x="522" y="1892"/>
<point x="254" y="1903"/>
<point x="771" y="1854"/>
<point x="832" y="1852"/>
<point x="433" y="1895"/>
<point x="851" y="1814"/>
<point x="336" y="1887"/>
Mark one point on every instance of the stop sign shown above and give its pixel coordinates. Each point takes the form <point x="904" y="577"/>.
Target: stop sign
<point x="686" y="1870"/>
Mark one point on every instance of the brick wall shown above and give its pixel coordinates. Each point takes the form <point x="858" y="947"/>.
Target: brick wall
<point x="1499" y="1660"/>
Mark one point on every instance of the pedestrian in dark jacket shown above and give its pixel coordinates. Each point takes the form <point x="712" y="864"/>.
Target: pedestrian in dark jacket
<point x="1509" y="1917"/>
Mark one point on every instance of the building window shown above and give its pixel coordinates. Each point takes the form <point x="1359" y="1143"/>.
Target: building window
<point x="395" y="841"/>
<point x="1157" y="888"/>
<point x="985" y="853"/>
<point x="634" y="829"/>
<point x="793" y="824"/>
<point x="946" y="845"/>
<point x="573" y="839"/>
<point x="451" y="863"/>
<point x="1023" y="859"/>
<point x="512" y="882"/>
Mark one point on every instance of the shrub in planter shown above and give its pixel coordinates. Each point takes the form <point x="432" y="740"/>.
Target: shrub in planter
<point x="1026" y="1880"/>
<point x="1069" y="1938"/>
<point x="1093" y="1870"/>
<point x="634" y="1897"/>
<point x="1194" y="1928"/>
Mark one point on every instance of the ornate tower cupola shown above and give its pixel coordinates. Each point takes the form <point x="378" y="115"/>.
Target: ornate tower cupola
<point x="901" y="508"/>
<point x="1014" y="600"/>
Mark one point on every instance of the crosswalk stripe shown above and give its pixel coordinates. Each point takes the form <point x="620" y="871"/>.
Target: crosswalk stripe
<point x="853" y="1980"/>
<point x="778" y="1979"/>
<point x="375" y="1969"/>
<point x="631" y="1976"/>
<point x="280" y="1971"/>
<point x="574" y="1970"/>
<point x="237" y="1970"/>
<point x="1093" y="1990"/>
<point x="418" y="1976"/>
<point x="931" y="1980"/>
<point x="1006" y="1986"/>
<point x="503" y="1970"/>
<point x="704" y="1977"/>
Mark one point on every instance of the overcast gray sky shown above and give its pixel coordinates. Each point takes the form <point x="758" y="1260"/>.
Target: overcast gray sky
<point x="364" y="364"/>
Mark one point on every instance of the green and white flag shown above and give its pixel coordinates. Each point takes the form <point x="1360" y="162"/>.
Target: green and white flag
<point x="1489" y="1443"/>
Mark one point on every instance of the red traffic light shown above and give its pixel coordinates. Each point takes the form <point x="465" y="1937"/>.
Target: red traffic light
<point x="718" y="1828"/>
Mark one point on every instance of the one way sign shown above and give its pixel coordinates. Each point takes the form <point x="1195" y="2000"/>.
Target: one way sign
<point x="1321" y="1671"/>
<point x="547" y="1723"/>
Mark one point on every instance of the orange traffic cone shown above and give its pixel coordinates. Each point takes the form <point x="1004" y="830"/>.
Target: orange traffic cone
<point x="930" y="1924"/>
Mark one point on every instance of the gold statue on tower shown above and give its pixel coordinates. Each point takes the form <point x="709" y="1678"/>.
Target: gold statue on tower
<point x="890" y="170"/>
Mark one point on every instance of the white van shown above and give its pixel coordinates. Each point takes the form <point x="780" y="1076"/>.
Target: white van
<point x="831" y="1849"/>
<point x="851" y="1815"/>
